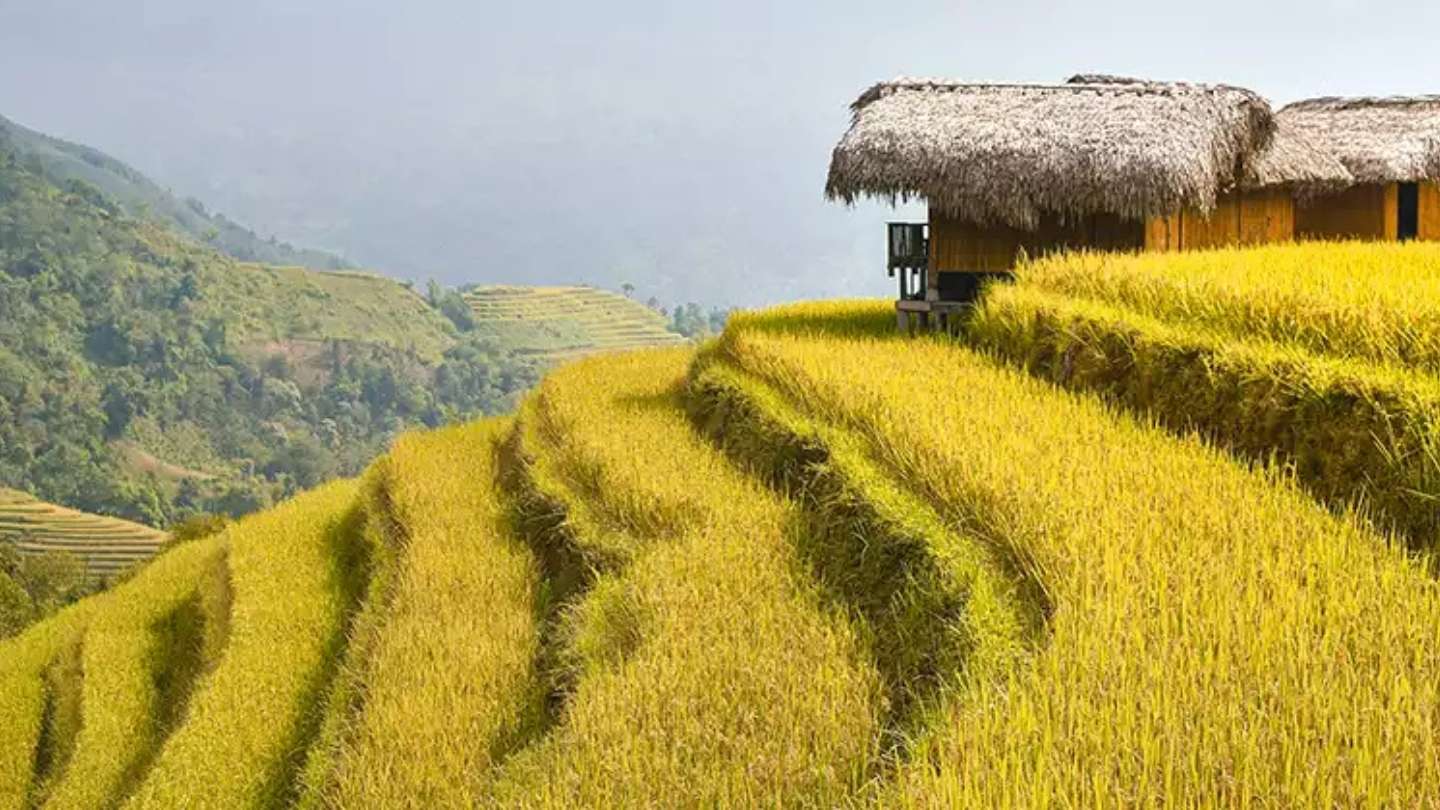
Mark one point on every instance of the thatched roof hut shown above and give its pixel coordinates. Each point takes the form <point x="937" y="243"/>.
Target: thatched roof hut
<point x="1380" y="140"/>
<point x="1009" y="154"/>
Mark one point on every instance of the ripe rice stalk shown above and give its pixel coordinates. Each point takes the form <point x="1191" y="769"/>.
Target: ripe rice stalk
<point x="1354" y="432"/>
<point x="707" y="673"/>
<point x="1377" y="301"/>
<point x="293" y="573"/>
<point x="141" y="654"/>
<point x="345" y="696"/>
<point x="1216" y="637"/>
<point x="941" y="616"/>
<point x="449" y="681"/>
<point x="40" y="684"/>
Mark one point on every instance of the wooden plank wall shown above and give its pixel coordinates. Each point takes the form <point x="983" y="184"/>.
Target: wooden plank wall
<point x="1390" y="203"/>
<point x="957" y="246"/>
<point x="1219" y="229"/>
<point x="1430" y="211"/>
<point x="1359" y="212"/>
<point x="1254" y="218"/>
<point x="1267" y="217"/>
<point x="1163" y="233"/>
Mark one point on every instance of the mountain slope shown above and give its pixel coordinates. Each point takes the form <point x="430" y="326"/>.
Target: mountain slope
<point x="146" y="376"/>
<point x="64" y="162"/>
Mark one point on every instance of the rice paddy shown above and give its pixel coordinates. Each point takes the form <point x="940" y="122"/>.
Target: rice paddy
<point x="1374" y="301"/>
<point x="1320" y="355"/>
<point x="811" y="564"/>
<point x="1196" y="609"/>
<point x="106" y="545"/>
<point x="554" y="324"/>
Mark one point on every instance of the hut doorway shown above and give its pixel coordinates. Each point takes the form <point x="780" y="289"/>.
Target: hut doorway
<point x="1408" y="203"/>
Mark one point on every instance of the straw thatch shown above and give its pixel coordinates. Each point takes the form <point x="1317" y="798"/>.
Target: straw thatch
<point x="1380" y="140"/>
<point x="1007" y="153"/>
<point x="1105" y="78"/>
<point x="1290" y="158"/>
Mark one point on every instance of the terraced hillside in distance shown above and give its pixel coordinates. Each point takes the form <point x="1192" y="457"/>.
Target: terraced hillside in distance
<point x="818" y="563"/>
<point x="563" y="323"/>
<point x="107" y="545"/>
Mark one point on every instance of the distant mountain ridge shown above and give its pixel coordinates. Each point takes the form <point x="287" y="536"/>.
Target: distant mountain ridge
<point x="62" y="162"/>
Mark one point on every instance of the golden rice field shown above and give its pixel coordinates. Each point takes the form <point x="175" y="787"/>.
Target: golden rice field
<point x="106" y="545"/>
<point x="810" y="564"/>
<point x="554" y="324"/>
<point x="1320" y="355"/>
<point x="1369" y="300"/>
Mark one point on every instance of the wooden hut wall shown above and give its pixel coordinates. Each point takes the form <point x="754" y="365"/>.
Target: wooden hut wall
<point x="959" y="246"/>
<point x="1430" y="211"/>
<point x="1252" y="218"/>
<point x="1359" y="212"/>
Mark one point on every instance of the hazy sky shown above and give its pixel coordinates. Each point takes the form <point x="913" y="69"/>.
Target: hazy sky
<point x="678" y="146"/>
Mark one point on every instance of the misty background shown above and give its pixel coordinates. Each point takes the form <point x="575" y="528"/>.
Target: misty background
<point x="679" y="147"/>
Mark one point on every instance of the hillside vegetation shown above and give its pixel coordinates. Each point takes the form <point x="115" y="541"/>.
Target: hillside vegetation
<point x="147" y="377"/>
<point x="66" y="164"/>
<point x="562" y="323"/>
<point x="812" y="564"/>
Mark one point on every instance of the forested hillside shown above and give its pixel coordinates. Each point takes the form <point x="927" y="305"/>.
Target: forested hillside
<point x="146" y="376"/>
<point x="62" y="162"/>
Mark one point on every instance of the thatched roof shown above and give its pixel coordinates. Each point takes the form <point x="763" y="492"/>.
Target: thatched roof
<point x="1105" y="78"/>
<point x="1289" y="158"/>
<point x="1380" y="140"/>
<point x="1293" y="158"/>
<point x="1007" y="152"/>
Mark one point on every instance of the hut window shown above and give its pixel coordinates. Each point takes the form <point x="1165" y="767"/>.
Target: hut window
<point x="1409" y="213"/>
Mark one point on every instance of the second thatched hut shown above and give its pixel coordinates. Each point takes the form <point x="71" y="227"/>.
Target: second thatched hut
<point x="1392" y="147"/>
<point x="1098" y="162"/>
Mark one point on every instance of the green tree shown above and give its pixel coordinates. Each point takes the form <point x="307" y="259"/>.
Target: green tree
<point x="10" y="558"/>
<point x="17" y="609"/>
<point x="453" y="306"/>
<point x="197" y="527"/>
<point x="53" y="579"/>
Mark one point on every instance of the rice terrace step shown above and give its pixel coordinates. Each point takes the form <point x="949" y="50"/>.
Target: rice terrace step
<point x="106" y="545"/>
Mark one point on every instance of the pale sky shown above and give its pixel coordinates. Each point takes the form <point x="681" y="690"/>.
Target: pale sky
<point x="678" y="146"/>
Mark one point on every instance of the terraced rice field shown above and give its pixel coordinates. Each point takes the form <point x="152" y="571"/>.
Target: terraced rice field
<point x="106" y="545"/>
<point x="1323" y="355"/>
<point x="556" y="324"/>
<point x="812" y="564"/>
